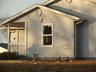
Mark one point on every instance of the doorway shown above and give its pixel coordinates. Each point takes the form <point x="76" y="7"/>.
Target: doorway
<point x="17" y="38"/>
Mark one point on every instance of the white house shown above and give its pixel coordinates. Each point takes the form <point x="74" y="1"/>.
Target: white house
<point x="57" y="28"/>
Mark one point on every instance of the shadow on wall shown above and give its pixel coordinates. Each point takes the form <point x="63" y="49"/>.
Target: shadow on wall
<point x="34" y="50"/>
<point x="71" y="12"/>
<point x="82" y="39"/>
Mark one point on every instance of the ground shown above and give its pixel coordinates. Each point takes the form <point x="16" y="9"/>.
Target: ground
<point x="47" y="66"/>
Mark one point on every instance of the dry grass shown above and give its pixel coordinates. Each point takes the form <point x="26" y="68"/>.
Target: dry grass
<point x="48" y="66"/>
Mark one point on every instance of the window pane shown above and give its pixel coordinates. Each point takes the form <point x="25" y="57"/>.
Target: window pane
<point x="47" y="30"/>
<point x="47" y="40"/>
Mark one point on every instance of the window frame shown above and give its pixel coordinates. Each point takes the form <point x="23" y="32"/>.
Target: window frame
<point x="42" y="35"/>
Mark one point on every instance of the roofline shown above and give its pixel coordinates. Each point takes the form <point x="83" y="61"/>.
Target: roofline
<point x="59" y="12"/>
<point x="50" y="2"/>
<point x="44" y="3"/>
<point x="39" y="6"/>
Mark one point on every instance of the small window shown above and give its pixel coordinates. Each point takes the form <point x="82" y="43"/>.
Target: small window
<point x="47" y="40"/>
<point x="47" y="30"/>
<point x="47" y="37"/>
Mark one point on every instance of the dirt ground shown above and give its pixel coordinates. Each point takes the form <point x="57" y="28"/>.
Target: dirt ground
<point x="47" y="66"/>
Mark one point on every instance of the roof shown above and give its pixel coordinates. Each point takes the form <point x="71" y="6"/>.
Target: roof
<point x="3" y="19"/>
<point x="39" y="6"/>
<point x="50" y="2"/>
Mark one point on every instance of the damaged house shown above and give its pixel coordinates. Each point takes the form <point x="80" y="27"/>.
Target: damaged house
<point x="57" y="28"/>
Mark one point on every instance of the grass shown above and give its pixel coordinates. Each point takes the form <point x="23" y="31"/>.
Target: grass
<point x="47" y="66"/>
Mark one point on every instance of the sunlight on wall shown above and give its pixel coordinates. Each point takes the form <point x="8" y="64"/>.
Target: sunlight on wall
<point x="30" y="40"/>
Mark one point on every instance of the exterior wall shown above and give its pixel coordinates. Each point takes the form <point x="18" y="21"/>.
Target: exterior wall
<point x="63" y="37"/>
<point x="86" y="41"/>
<point x="63" y="34"/>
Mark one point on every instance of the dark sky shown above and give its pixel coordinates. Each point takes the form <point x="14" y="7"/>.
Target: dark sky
<point x="11" y="7"/>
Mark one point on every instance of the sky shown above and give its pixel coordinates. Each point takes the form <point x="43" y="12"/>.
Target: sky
<point x="11" y="7"/>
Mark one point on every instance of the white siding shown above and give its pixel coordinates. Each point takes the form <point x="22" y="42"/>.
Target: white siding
<point x="87" y="30"/>
<point x="63" y="34"/>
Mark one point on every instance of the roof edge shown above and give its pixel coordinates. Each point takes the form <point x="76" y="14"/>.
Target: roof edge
<point x="44" y="3"/>
<point x="39" y="6"/>
<point x="50" y="2"/>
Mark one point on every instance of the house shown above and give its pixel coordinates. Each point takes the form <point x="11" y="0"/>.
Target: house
<point x="57" y="28"/>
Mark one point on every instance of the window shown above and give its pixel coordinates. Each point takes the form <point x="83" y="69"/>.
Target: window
<point x="47" y="38"/>
<point x="47" y="30"/>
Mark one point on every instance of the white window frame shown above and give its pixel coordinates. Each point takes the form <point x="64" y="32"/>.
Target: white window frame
<point x="42" y="26"/>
